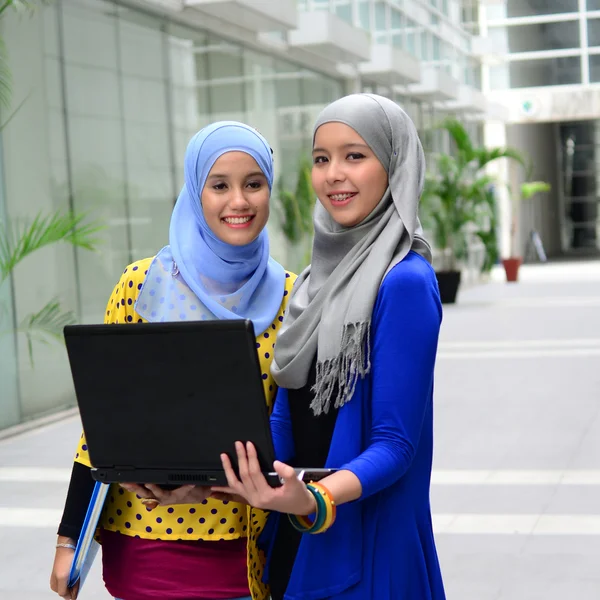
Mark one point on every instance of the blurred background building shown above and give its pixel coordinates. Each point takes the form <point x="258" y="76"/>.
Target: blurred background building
<point x="112" y="90"/>
<point x="549" y="81"/>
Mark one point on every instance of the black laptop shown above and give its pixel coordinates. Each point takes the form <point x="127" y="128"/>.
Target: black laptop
<point x="160" y="402"/>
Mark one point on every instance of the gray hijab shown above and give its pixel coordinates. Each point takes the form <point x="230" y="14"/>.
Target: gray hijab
<point x="329" y="313"/>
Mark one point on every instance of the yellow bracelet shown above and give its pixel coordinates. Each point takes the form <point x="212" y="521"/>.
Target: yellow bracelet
<point x="319" y="488"/>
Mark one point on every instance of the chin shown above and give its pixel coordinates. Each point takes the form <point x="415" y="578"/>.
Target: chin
<point x="345" y="220"/>
<point x="239" y="240"/>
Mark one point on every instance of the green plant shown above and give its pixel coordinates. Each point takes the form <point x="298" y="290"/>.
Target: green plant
<point x="295" y="209"/>
<point x="458" y="195"/>
<point x="20" y="241"/>
<point x="489" y="234"/>
<point x="527" y="190"/>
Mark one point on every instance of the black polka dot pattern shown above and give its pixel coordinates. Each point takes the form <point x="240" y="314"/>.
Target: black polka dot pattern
<point x="213" y="519"/>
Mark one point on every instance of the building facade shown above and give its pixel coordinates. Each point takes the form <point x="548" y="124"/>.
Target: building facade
<point x="549" y="83"/>
<point x="112" y="91"/>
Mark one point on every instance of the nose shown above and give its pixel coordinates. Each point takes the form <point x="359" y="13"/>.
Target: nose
<point x="238" y="200"/>
<point x="334" y="173"/>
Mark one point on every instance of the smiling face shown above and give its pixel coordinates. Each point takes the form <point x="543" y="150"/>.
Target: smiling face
<point x="347" y="177"/>
<point x="235" y="199"/>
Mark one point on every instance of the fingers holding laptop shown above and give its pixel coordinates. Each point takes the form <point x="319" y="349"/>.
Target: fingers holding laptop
<point x="186" y="494"/>
<point x="291" y="497"/>
<point x="153" y="495"/>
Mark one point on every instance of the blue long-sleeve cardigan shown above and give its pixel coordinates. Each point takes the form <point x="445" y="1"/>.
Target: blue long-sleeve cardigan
<point x="381" y="546"/>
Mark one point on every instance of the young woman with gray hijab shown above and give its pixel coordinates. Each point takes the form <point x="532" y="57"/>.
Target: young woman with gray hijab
<point x="355" y="364"/>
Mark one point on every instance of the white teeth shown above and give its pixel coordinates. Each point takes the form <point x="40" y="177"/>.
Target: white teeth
<point x="340" y="197"/>
<point x="236" y="220"/>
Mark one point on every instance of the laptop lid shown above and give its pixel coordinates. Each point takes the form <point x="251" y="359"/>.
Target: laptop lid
<point x="168" y="397"/>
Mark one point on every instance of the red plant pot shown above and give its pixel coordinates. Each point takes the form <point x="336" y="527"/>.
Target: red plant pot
<point x="511" y="267"/>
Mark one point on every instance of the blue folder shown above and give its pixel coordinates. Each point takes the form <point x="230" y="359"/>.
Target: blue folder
<point x="87" y="547"/>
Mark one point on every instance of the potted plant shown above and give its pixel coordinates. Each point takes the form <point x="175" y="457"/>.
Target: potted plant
<point x="456" y="197"/>
<point x="526" y="191"/>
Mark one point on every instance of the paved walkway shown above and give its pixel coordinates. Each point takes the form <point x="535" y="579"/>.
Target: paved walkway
<point x="516" y="485"/>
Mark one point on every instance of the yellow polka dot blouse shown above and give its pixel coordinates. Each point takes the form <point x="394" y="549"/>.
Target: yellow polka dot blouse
<point x="213" y="519"/>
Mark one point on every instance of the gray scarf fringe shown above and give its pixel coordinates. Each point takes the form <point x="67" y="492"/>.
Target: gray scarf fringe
<point x="343" y="371"/>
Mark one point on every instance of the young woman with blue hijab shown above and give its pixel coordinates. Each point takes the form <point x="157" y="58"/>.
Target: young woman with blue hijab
<point x="355" y="363"/>
<point x="217" y="266"/>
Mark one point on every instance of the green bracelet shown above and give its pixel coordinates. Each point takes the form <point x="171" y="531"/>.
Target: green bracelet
<point x="303" y="523"/>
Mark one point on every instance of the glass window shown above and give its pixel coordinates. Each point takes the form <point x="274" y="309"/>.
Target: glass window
<point x="364" y="14"/>
<point x="188" y="69"/>
<point x="381" y="16"/>
<point x="593" y="27"/>
<point x="547" y="71"/>
<point x="344" y="10"/>
<point x="529" y="8"/>
<point x="9" y="398"/>
<point x="593" y="4"/>
<point x="436" y="55"/>
<point x="594" y="68"/>
<point x="543" y="36"/>
<point x="225" y="81"/>
<point x="35" y="136"/>
<point x="150" y="185"/>
<point x="94" y="103"/>
<point x="411" y="36"/>
<point x="425" y="45"/>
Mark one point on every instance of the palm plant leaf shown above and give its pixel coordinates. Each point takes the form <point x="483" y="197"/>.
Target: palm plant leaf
<point x="45" y="325"/>
<point x="12" y="115"/>
<point x="305" y="197"/>
<point x="460" y="137"/>
<point x="530" y="188"/>
<point x="483" y="156"/>
<point x="5" y="77"/>
<point x="20" y="241"/>
<point x="21" y="5"/>
<point x="287" y="211"/>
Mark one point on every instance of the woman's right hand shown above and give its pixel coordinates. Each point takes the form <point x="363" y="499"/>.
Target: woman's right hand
<point x="59" y="578"/>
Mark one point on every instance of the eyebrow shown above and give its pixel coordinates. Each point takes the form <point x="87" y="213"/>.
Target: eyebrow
<point x="352" y="144"/>
<point x="225" y="176"/>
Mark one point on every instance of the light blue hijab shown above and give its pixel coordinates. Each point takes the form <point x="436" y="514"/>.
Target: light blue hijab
<point x="198" y="276"/>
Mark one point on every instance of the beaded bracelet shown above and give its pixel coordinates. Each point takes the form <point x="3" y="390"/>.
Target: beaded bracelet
<point x="324" y="515"/>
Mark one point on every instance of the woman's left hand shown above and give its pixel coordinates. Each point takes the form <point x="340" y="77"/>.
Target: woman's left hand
<point x="292" y="497"/>
<point x="153" y="495"/>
